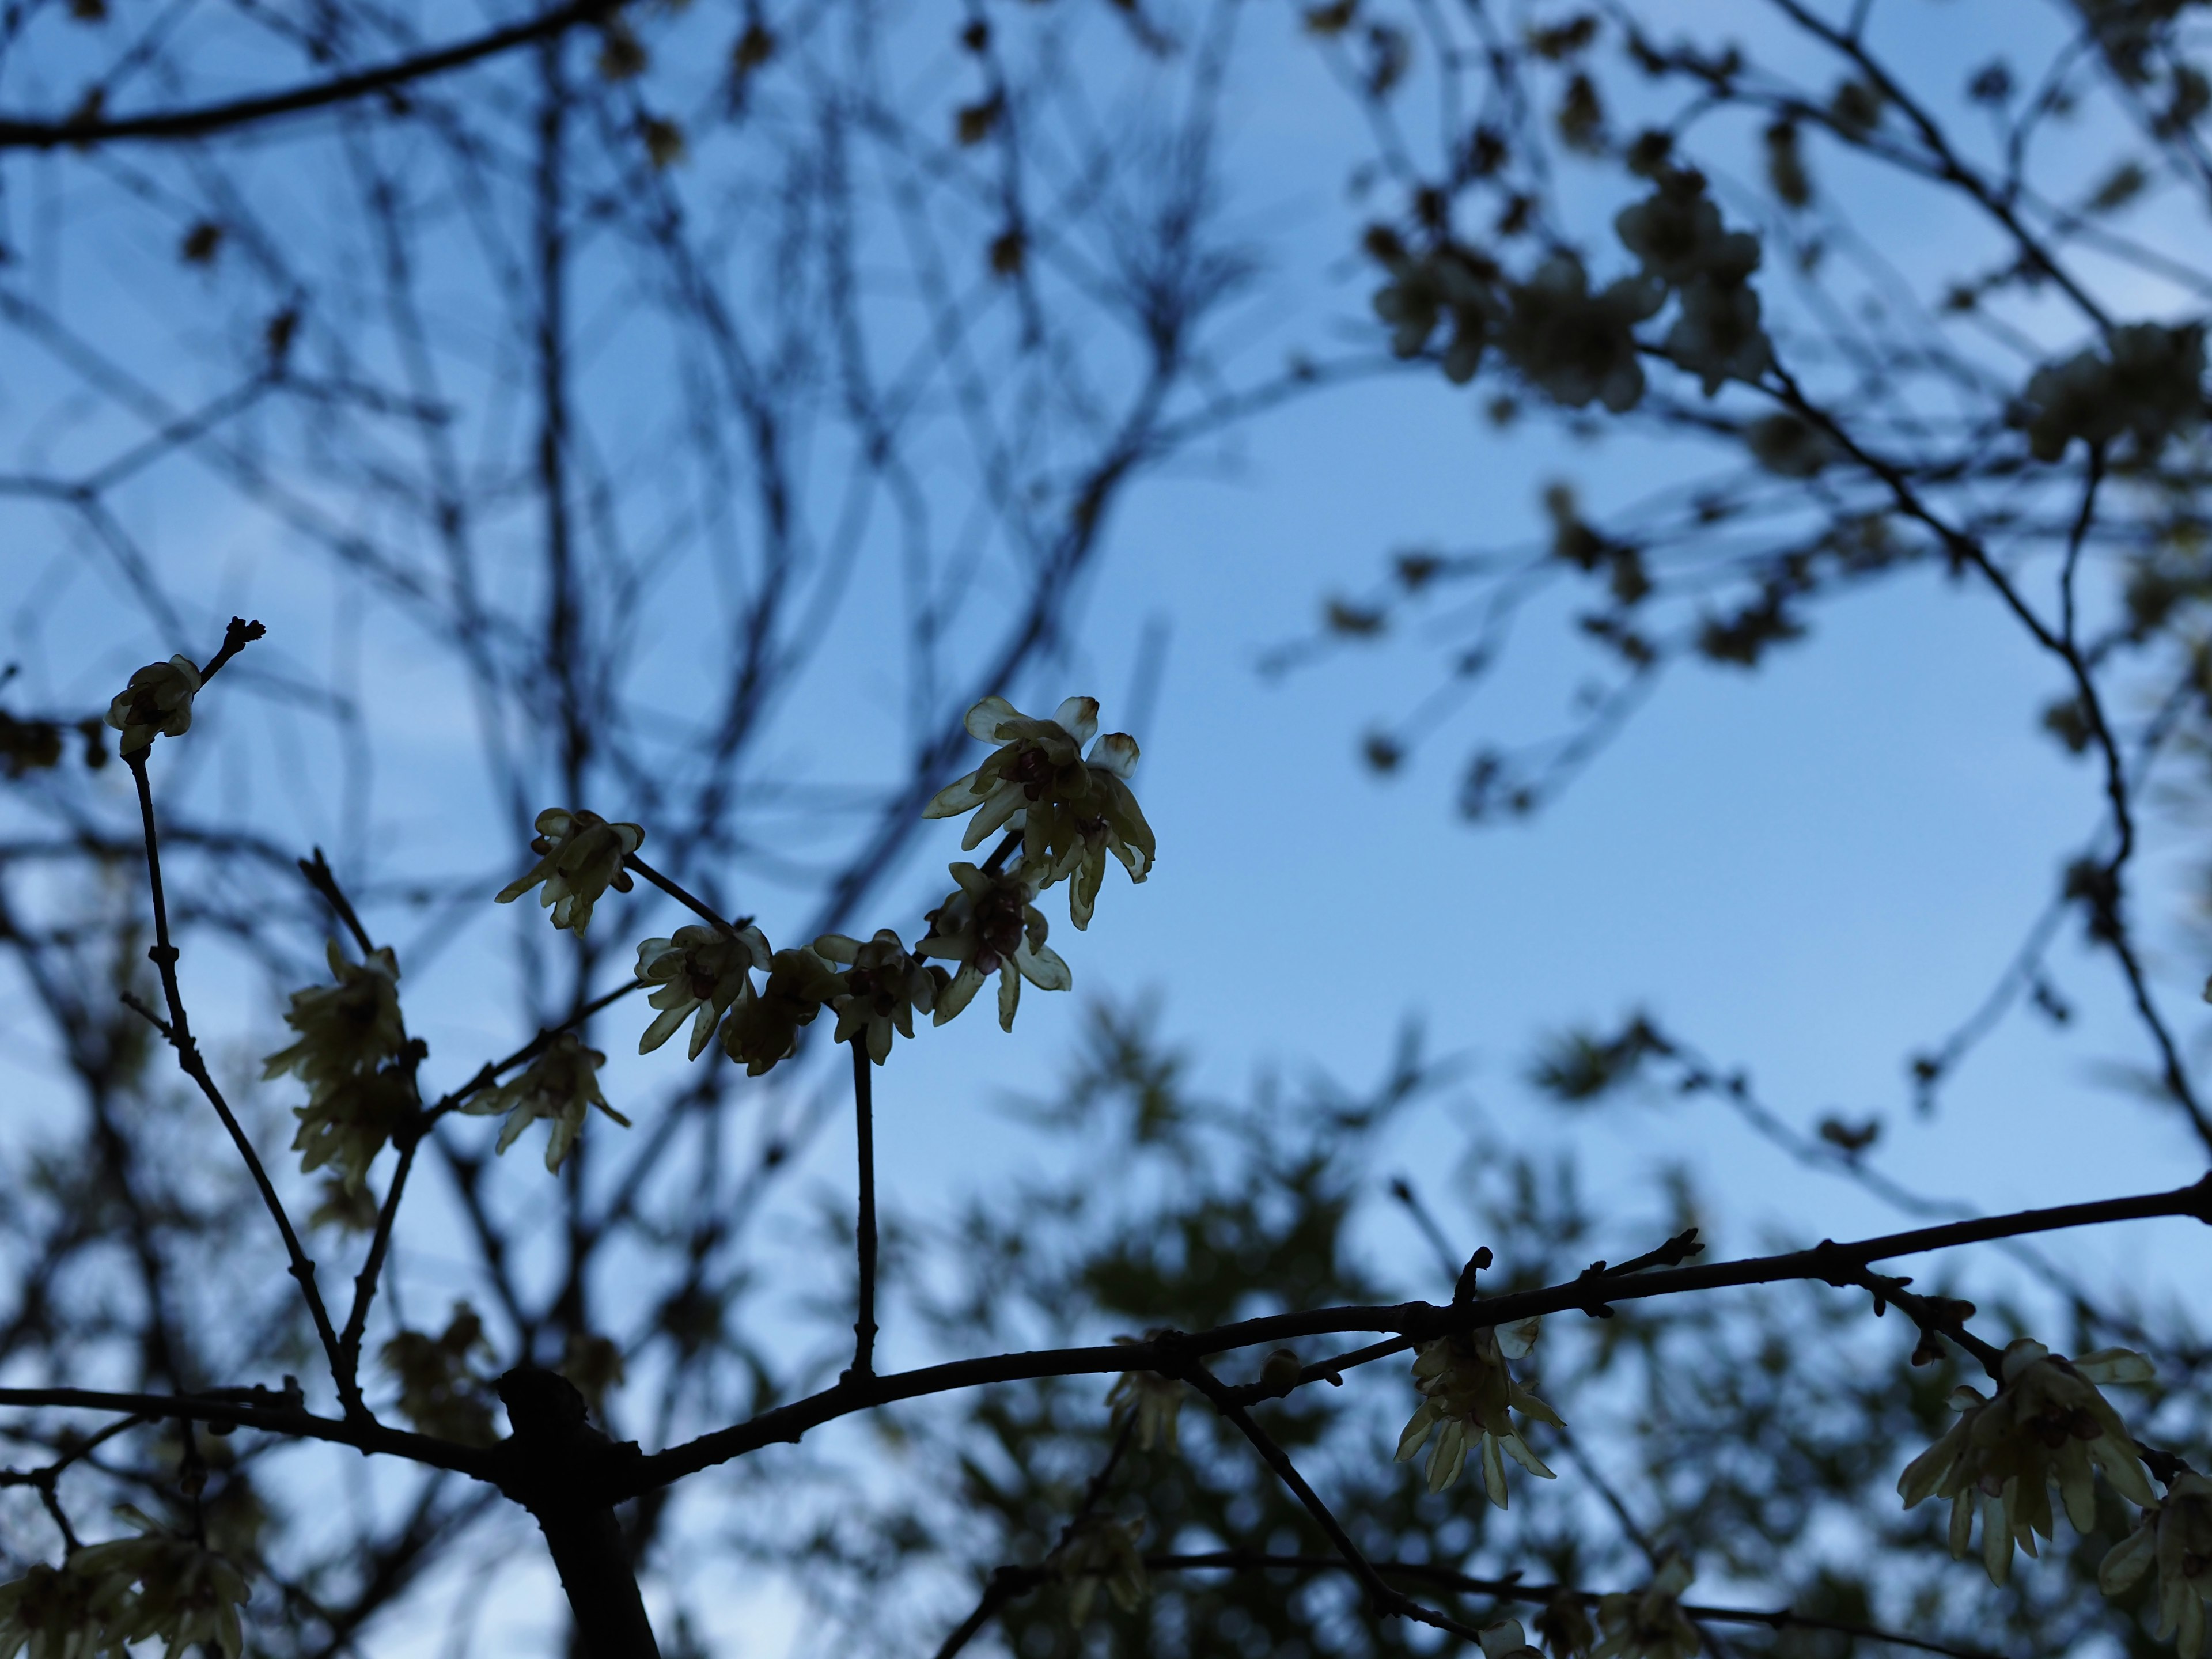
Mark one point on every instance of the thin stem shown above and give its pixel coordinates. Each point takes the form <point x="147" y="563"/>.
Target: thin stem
<point x="365" y="1282"/>
<point x="262" y="1409"/>
<point x="1519" y="1589"/>
<point x="697" y="907"/>
<point x="1386" y="1600"/>
<point x="863" y="1326"/>
<point x="178" y="1030"/>
<point x="317" y="871"/>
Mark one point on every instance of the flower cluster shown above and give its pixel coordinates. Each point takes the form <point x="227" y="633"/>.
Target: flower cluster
<point x="1099" y="1551"/>
<point x="763" y="1029"/>
<point x="2149" y="386"/>
<point x="989" y="925"/>
<point x="154" y="1587"/>
<point x="1507" y="1640"/>
<point x="1576" y="345"/>
<point x="1156" y="1401"/>
<point x="438" y="1393"/>
<point x="158" y="699"/>
<point x="2047" y="1425"/>
<point x="1449" y="283"/>
<point x="580" y="856"/>
<point x="1073" y="810"/>
<point x="349" y="1052"/>
<point x="700" y="972"/>
<point x="1676" y="235"/>
<point x="1649" y="1622"/>
<point x="880" y="989"/>
<point x="558" y="1086"/>
<point x="2177" y="1536"/>
<point x="1467" y="1395"/>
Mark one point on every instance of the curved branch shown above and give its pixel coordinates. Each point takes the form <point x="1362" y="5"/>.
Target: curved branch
<point x="170" y="125"/>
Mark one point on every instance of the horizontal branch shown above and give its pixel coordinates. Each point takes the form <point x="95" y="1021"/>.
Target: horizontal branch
<point x="1171" y="1353"/>
<point x="257" y="1411"/>
<point x="202" y="120"/>
<point x="1515" y="1589"/>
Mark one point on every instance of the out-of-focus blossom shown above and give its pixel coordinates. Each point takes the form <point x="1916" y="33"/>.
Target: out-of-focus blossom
<point x="1649" y="1622"/>
<point x="2176" y="1535"/>
<point x="1576" y="345"/>
<point x="559" y="1086"/>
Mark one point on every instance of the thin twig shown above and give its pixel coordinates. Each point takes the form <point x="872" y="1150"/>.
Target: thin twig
<point x="864" y="1324"/>
<point x="696" y="906"/>
<point x="319" y="875"/>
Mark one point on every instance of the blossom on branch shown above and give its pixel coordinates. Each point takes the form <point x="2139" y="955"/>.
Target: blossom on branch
<point x="1101" y="1550"/>
<point x="880" y="989"/>
<point x="1447" y="282"/>
<point x="1575" y="345"/>
<point x="438" y="1393"/>
<point x="989" y="926"/>
<point x="349" y="1051"/>
<point x="1154" y="1400"/>
<point x="159" y="699"/>
<point x="1468" y="1394"/>
<point x="2149" y="387"/>
<point x="1507" y="1640"/>
<point x="697" y="968"/>
<point x="106" y="1596"/>
<point x="1649" y="1622"/>
<point x="2177" y="1536"/>
<point x="763" y="1029"/>
<point x="347" y="1125"/>
<point x="2046" y="1426"/>
<point x="558" y="1085"/>
<point x="580" y="856"/>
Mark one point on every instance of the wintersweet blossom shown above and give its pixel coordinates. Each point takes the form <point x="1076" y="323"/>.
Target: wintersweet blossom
<point x="347" y="1125"/>
<point x="159" y="699"/>
<point x="2177" y="1536"/>
<point x="1102" y="1552"/>
<point x="700" y="972"/>
<point x="347" y="1029"/>
<point x="187" y="1595"/>
<point x="1576" y="345"/>
<point x="1073" y="810"/>
<point x="1716" y="335"/>
<point x="1565" y="1625"/>
<point x="1649" y="1622"/>
<point x="1467" y="1395"/>
<point x="67" y="1611"/>
<point x="1154" y="1400"/>
<point x="1424" y="290"/>
<point x="2046" y="1426"/>
<point x="880" y="989"/>
<point x="558" y="1086"/>
<point x="1675" y="233"/>
<point x="439" y="1392"/>
<point x="580" y="856"/>
<point x="988" y="925"/>
<point x="1507" y="1640"/>
<point x="763" y="1029"/>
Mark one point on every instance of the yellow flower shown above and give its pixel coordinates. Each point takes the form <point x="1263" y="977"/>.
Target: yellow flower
<point x="580" y="857"/>
<point x="1102" y="1552"/>
<point x="1073" y="811"/>
<point x="1565" y="1625"/>
<point x="65" y="1612"/>
<point x="2178" y="1535"/>
<point x="1468" y="1395"/>
<point x="1155" y="1400"/>
<point x="762" y="1027"/>
<point x="158" y="699"/>
<point x="438" y="1393"/>
<point x="697" y="968"/>
<point x="348" y="1124"/>
<point x="1649" y="1622"/>
<point x="187" y="1595"/>
<point x="1506" y="1640"/>
<point x="594" y="1365"/>
<point x="989" y="926"/>
<point x="347" y="1031"/>
<point x="558" y="1085"/>
<point x="2047" y="1425"/>
<point x="880" y="988"/>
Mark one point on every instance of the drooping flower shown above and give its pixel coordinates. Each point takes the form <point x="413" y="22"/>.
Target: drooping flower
<point x="158" y="699"/>
<point x="762" y="1027"/>
<point x="1507" y="1640"/>
<point x="1448" y="283"/>
<point x="559" y="1085"/>
<point x="1102" y="1552"/>
<point x="2177" y="1536"/>
<point x="348" y="1029"/>
<point x="439" y="1392"/>
<point x="187" y="1595"/>
<point x="1716" y="335"/>
<point x="1675" y="233"/>
<point x="1073" y="809"/>
<point x="880" y="989"/>
<point x="348" y="1123"/>
<point x="580" y="856"/>
<point x="67" y="1612"/>
<point x="594" y="1365"/>
<point x="988" y="925"/>
<point x="1565" y="1625"/>
<point x="2046" y="1426"/>
<point x="1156" y="1401"/>
<point x="1649" y="1622"/>
<point x="697" y="968"/>
<point x="1467" y="1395"/>
<point x="1576" y="345"/>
